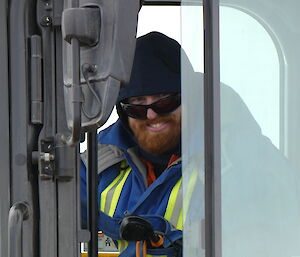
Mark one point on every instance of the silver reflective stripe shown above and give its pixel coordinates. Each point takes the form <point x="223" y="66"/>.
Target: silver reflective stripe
<point x="177" y="209"/>
<point x="111" y="194"/>
<point x="111" y="191"/>
<point x="137" y="161"/>
<point x="108" y="155"/>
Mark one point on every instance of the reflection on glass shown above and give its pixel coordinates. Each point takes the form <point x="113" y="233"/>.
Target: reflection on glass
<point x="193" y="163"/>
<point x="250" y="66"/>
<point x="192" y="131"/>
<point x="260" y="210"/>
<point x="260" y="202"/>
<point x="260" y="199"/>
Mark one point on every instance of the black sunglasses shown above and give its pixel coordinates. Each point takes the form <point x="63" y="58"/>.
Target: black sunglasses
<point x="162" y="106"/>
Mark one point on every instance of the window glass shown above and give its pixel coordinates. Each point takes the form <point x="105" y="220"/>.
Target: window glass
<point x="260" y="204"/>
<point x="164" y="19"/>
<point x="185" y="24"/>
<point x="192" y="131"/>
<point x="260" y="180"/>
<point x="170" y="26"/>
<point x="250" y="66"/>
<point x="259" y="126"/>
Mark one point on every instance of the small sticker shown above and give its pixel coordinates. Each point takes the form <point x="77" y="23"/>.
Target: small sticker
<point x="105" y="244"/>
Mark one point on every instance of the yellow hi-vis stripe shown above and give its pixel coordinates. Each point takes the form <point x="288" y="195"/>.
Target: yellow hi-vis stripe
<point x="105" y="192"/>
<point x="122" y="245"/>
<point x="180" y="223"/>
<point x="190" y="189"/>
<point x="172" y="200"/>
<point x="117" y="193"/>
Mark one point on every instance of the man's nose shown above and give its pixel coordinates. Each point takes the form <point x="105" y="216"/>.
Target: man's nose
<point x="151" y="114"/>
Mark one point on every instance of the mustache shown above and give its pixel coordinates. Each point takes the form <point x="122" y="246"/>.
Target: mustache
<point x="159" y="119"/>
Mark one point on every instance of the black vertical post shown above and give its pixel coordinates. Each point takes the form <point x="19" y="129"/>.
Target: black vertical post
<point x="212" y="129"/>
<point x="92" y="192"/>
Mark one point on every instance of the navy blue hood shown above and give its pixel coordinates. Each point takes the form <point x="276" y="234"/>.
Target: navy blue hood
<point x="156" y="70"/>
<point x="156" y="67"/>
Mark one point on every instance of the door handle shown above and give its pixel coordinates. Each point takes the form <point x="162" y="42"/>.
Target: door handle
<point x="17" y="214"/>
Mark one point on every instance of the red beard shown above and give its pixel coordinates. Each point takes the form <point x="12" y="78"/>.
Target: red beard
<point x="157" y="143"/>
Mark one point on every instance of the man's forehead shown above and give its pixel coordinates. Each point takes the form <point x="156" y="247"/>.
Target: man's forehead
<point x="133" y="98"/>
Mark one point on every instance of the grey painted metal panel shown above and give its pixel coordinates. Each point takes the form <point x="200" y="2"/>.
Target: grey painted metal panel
<point x="22" y="133"/>
<point x="59" y="197"/>
<point x="4" y="132"/>
<point x="47" y="184"/>
<point x="68" y="189"/>
<point x="110" y="60"/>
<point x="212" y="129"/>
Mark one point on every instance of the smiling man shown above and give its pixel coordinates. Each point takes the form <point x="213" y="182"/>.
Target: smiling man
<point x="155" y="132"/>
<point x="140" y="155"/>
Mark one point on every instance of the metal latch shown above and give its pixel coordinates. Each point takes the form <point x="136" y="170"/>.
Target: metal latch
<point x="45" y="159"/>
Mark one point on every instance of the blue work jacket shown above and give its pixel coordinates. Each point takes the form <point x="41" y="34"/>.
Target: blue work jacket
<point x="123" y="191"/>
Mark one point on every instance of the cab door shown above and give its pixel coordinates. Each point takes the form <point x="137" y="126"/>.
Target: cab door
<point x="245" y="162"/>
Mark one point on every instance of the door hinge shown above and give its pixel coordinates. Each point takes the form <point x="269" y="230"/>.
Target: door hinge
<point x="36" y="80"/>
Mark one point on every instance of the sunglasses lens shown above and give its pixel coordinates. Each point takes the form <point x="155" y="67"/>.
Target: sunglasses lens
<point x="162" y="106"/>
<point x="136" y="111"/>
<point x="167" y="104"/>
